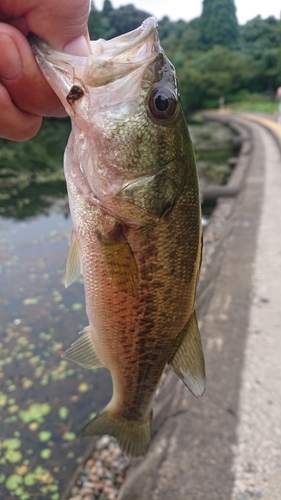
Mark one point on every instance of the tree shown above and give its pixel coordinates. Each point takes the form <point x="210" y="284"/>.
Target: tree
<point x="95" y="25"/>
<point x="107" y="8"/>
<point x="126" y="18"/>
<point x="209" y="75"/>
<point x="218" y="24"/>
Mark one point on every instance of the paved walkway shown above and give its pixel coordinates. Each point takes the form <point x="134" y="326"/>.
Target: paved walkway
<point x="226" y="445"/>
<point x="257" y="464"/>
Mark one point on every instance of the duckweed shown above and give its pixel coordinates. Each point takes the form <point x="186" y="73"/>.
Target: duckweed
<point x="22" y="470"/>
<point x="30" y="301"/>
<point x="35" y="412"/>
<point x="29" y="479"/>
<point x="13" y="481"/>
<point x="44" y="436"/>
<point x="77" y="306"/>
<point x="13" y="456"/>
<point x="12" y="443"/>
<point x="27" y="383"/>
<point x="3" y="399"/>
<point x="83" y="387"/>
<point x="46" y="453"/>
<point x="69" y="436"/>
<point x="63" y="412"/>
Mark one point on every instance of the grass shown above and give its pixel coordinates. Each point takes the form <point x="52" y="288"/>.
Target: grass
<point x="256" y="103"/>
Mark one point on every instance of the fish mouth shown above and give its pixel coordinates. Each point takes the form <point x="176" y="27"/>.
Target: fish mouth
<point x="129" y="41"/>
<point x="108" y="61"/>
<point x="116" y="58"/>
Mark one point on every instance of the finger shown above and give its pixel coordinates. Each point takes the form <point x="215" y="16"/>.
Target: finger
<point x="15" y="124"/>
<point x="56" y="22"/>
<point x="21" y="76"/>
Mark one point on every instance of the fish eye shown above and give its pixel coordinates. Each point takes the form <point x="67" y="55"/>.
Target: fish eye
<point x="74" y="94"/>
<point x="162" y="104"/>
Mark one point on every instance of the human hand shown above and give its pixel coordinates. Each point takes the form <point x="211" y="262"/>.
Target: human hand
<point x="25" y="95"/>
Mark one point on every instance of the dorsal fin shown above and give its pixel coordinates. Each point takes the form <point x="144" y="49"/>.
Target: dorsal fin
<point x="83" y="351"/>
<point x="73" y="263"/>
<point x="188" y="361"/>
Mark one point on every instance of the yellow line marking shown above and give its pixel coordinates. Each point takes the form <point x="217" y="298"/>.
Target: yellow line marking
<point x="274" y="126"/>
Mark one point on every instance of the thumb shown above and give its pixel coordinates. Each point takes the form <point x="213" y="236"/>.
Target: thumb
<point x="79" y="47"/>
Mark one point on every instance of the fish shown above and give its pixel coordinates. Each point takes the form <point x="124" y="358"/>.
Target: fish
<point x="134" y="199"/>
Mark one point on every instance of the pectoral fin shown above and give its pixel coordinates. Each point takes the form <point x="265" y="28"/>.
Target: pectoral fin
<point x="83" y="351"/>
<point x="120" y="261"/>
<point x="73" y="263"/>
<point x="188" y="361"/>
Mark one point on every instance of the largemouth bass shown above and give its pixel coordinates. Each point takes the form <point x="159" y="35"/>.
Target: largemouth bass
<point x="134" y="200"/>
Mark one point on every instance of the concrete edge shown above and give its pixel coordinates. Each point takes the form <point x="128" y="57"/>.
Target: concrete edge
<point x="88" y="453"/>
<point x="232" y="188"/>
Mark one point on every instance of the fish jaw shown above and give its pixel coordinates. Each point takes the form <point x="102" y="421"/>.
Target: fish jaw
<point x="108" y="62"/>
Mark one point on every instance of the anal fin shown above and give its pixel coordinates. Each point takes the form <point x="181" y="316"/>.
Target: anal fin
<point x="73" y="263"/>
<point x="83" y="351"/>
<point x="188" y="361"/>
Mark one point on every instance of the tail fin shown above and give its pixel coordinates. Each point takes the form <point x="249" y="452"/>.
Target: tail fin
<point x="133" y="436"/>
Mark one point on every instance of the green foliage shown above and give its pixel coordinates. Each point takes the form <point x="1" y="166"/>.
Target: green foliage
<point x="218" y="24"/>
<point x="31" y="171"/>
<point x="254" y="103"/>
<point x="107" y="8"/>
<point x="96" y="24"/>
<point x="126" y="18"/>
<point x="209" y="75"/>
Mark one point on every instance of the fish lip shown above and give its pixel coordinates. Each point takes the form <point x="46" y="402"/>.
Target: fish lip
<point x="134" y="38"/>
<point x="100" y="48"/>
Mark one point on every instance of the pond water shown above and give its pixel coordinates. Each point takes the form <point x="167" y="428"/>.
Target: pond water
<point x="45" y="401"/>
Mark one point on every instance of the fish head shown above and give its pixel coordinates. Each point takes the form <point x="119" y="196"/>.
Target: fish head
<point x="124" y="104"/>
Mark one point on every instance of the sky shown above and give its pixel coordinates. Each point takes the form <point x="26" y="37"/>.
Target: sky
<point x="189" y="9"/>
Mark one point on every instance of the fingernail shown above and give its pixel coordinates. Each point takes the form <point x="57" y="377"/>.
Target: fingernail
<point x="78" y="47"/>
<point x="10" y="60"/>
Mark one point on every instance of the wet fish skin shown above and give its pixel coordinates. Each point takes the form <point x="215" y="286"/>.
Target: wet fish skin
<point x="133" y="193"/>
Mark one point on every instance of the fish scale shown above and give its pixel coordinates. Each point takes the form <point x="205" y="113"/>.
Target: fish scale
<point x="134" y="200"/>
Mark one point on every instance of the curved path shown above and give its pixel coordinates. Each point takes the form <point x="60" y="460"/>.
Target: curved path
<point x="226" y="445"/>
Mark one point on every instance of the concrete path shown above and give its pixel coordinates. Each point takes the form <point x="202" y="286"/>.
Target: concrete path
<point x="226" y="445"/>
<point x="257" y="464"/>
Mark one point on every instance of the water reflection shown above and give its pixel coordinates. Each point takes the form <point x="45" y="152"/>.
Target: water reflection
<point x="44" y="400"/>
